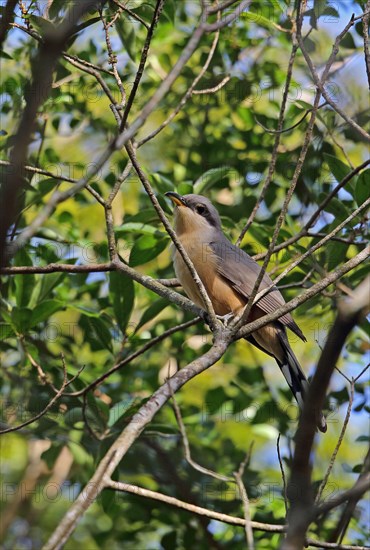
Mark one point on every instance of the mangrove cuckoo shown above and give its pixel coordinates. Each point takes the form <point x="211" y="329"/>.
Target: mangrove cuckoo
<point x="228" y="275"/>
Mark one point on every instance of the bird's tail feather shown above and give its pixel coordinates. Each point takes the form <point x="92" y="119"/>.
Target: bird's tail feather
<point x="296" y="378"/>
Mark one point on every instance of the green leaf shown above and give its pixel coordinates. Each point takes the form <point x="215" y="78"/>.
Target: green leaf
<point x="44" y="310"/>
<point x="362" y="189"/>
<point x="259" y="20"/>
<point x="335" y="254"/>
<point x="362" y="438"/>
<point x="97" y="333"/>
<point x="338" y="168"/>
<point x="279" y="7"/>
<point x="146" y="248"/>
<point x="140" y="228"/>
<point x="6" y="330"/>
<point x="122" y="296"/>
<point x="49" y="282"/>
<point x="24" y="284"/>
<point x="161" y="183"/>
<point x="85" y="24"/>
<point x="51" y="455"/>
<point x="169" y="10"/>
<point x="348" y="42"/>
<point x="210" y="177"/>
<point x="152" y="311"/>
<point x="21" y="318"/>
<point x="98" y="411"/>
<point x="185" y="187"/>
<point x="73" y="416"/>
<point x="88" y="312"/>
<point x="126" y="32"/>
<point x="81" y="456"/>
<point x="43" y="26"/>
<point x="119" y="410"/>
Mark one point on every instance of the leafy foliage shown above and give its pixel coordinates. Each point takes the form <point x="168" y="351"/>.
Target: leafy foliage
<point x="219" y="145"/>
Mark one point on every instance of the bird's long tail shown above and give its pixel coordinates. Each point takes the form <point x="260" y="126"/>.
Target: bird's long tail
<point x="296" y="378"/>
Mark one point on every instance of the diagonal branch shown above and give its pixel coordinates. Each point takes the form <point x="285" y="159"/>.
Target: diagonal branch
<point x="307" y="140"/>
<point x="144" y="54"/>
<point x="350" y="312"/>
<point x="189" y="264"/>
<point x="275" y="149"/>
<point x="160" y="497"/>
<point x="320" y="82"/>
<point x="129" y="435"/>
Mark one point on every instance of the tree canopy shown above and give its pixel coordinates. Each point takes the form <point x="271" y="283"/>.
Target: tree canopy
<point x="176" y="433"/>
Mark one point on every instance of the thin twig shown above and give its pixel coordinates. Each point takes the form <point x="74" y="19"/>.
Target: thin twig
<point x="365" y="23"/>
<point x="42" y="74"/>
<point x="311" y="250"/>
<point x="112" y="59"/>
<point x="246" y="505"/>
<point x="131" y="13"/>
<point x="187" y="52"/>
<point x="347" y="514"/>
<point x="302" y="510"/>
<point x="307" y="140"/>
<point x="275" y="148"/>
<point x="315" y="215"/>
<point x="338" y="444"/>
<point x="223" y="518"/>
<point x="55" y="398"/>
<point x="270" y="131"/>
<point x="189" y="264"/>
<point x="356" y="492"/>
<point x="214" y="89"/>
<point x="283" y="477"/>
<point x="320" y="82"/>
<point x="186" y="446"/>
<point x="144" y="54"/>
<point x="134" y="355"/>
<point x="186" y="96"/>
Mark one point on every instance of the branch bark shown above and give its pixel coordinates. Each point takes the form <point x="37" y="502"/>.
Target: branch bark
<point x="117" y="451"/>
<point x="299" y="489"/>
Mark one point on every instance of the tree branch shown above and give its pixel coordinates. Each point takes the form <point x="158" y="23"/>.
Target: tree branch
<point x="320" y="83"/>
<point x="144" y="54"/>
<point x="160" y="497"/>
<point x="299" y="489"/>
<point x="129" y="435"/>
<point x="365" y="23"/>
<point x="275" y="148"/>
<point x="55" y="398"/>
<point x="42" y="73"/>
<point x="7" y="19"/>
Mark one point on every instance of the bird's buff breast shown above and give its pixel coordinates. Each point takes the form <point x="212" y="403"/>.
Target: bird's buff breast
<point x="223" y="298"/>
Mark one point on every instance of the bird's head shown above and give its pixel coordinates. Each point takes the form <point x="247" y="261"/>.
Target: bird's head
<point x="194" y="213"/>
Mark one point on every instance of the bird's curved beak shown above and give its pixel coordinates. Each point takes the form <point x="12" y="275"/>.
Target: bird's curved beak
<point x="176" y="198"/>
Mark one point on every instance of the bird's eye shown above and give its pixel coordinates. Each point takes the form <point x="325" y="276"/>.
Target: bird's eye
<point x="200" y="209"/>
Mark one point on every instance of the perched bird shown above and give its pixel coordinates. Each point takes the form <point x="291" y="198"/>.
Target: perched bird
<point x="228" y="275"/>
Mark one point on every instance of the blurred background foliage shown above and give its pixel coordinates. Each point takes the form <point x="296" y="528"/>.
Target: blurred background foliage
<point x="215" y="146"/>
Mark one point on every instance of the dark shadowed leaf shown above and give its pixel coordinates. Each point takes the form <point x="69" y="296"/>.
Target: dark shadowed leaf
<point x="122" y="295"/>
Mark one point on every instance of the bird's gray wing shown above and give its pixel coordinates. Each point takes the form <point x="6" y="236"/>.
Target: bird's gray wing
<point x="237" y="267"/>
